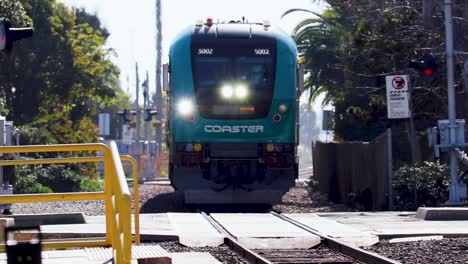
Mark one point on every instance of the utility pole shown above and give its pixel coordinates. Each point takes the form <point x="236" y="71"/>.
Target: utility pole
<point x="149" y="171"/>
<point x="455" y="194"/>
<point x="158" y="101"/>
<point x="137" y="106"/>
<point x="136" y="146"/>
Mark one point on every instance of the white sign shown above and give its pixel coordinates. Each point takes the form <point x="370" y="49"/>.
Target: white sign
<point x="127" y="134"/>
<point x="104" y="124"/>
<point x="398" y="96"/>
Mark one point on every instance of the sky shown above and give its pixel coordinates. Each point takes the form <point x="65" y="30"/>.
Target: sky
<point x="132" y="25"/>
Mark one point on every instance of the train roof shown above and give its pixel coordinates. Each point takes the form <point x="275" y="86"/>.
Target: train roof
<point x="213" y="32"/>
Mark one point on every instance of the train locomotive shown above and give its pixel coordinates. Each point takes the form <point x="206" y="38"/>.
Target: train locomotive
<point x="232" y="113"/>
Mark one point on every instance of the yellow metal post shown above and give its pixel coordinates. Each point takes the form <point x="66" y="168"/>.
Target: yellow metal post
<point x="136" y="202"/>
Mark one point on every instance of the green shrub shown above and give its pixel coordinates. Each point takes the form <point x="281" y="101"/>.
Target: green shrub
<point x="56" y="178"/>
<point x="27" y="182"/>
<point x="61" y="178"/>
<point x="430" y="180"/>
<point x="89" y="185"/>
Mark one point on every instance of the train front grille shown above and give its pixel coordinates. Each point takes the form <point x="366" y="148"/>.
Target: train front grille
<point x="233" y="150"/>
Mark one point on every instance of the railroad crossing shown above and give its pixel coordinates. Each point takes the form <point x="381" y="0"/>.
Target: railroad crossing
<point x="258" y="231"/>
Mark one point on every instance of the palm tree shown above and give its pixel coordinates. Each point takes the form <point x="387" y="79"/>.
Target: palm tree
<point x="320" y="41"/>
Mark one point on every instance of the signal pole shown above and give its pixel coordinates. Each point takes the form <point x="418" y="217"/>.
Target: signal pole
<point x="455" y="195"/>
<point x="136" y="142"/>
<point x="137" y="106"/>
<point x="158" y="101"/>
<point x="149" y="171"/>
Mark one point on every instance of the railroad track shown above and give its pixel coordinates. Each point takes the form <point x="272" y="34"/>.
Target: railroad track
<point x="329" y="251"/>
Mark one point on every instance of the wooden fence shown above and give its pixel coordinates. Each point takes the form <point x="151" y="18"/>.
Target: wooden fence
<point x="355" y="173"/>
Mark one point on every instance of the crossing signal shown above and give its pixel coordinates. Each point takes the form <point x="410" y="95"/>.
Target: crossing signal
<point x="8" y="35"/>
<point x="126" y="115"/>
<point x="148" y="114"/>
<point x="427" y="65"/>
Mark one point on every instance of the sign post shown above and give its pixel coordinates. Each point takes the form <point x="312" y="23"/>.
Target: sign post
<point x="399" y="106"/>
<point x="398" y="96"/>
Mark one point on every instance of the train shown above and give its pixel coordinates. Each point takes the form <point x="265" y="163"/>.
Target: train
<point x="232" y="113"/>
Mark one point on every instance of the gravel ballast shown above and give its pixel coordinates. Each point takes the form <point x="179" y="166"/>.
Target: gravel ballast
<point x="155" y="198"/>
<point x="447" y="250"/>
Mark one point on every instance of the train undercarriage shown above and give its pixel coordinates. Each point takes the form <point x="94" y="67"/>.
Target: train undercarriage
<point x="233" y="173"/>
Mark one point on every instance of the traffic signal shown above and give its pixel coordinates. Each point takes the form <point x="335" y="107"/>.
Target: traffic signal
<point x="148" y="114"/>
<point x="126" y="114"/>
<point x="427" y="65"/>
<point x="8" y="35"/>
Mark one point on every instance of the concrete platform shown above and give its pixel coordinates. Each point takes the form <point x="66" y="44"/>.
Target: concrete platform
<point x="341" y="232"/>
<point x="265" y="231"/>
<point x="442" y="213"/>
<point x="141" y="254"/>
<point x="100" y="255"/>
<point x="153" y="227"/>
<point x="193" y="258"/>
<point x="194" y="230"/>
<point x="398" y="224"/>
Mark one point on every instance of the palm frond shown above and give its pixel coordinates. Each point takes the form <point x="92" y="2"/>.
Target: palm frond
<point x="297" y="10"/>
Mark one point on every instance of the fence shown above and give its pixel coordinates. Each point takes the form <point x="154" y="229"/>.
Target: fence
<point x="357" y="173"/>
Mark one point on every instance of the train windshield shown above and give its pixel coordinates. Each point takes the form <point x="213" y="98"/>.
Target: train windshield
<point x="234" y="87"/>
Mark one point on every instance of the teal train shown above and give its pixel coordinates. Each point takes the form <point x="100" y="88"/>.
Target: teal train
<point x="232" y="113"/>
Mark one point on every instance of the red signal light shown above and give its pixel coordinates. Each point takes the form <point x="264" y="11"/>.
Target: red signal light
<point x="428" y="72"/>
<point x="3" y="38"/>
<point x="427" y="65"/>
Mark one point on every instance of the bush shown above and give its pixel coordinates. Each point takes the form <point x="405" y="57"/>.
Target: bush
<point x="89" y="185"/>
<point x="430" y="180"/>
<point x="56" y="178"/>
<point x="27" y="182"/>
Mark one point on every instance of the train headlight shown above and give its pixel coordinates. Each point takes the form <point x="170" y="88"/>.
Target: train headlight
<point x="185" y="107"/>
<point x="241" y="91"/>
<point x="227" y="91"/>
<point x="282" y="108"/>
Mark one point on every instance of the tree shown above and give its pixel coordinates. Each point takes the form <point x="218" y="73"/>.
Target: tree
<point x="351" y="47"/>
<point x="13" y="11"/>
<point x="65" y="66"/>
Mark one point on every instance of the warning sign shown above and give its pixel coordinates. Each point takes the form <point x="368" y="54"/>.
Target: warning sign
<point x="397" y="96"/>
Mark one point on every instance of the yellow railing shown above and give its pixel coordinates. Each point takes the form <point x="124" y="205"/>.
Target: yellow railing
<point x="121" y="209"/>
<point x="116" y="195"/>
<point x="136" y="202"/>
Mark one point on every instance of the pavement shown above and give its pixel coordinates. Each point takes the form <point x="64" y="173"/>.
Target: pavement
<point x="398" y="224"/>
<point x="261" y="231"/>
<point x="359" y="228"/>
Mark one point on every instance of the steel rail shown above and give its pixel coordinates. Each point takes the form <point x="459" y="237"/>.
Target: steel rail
<point x="229" y="240"/>
<point x="342" y="247"/>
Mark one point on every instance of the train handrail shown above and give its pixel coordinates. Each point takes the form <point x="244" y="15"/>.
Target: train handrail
<point x="116" y="195"/>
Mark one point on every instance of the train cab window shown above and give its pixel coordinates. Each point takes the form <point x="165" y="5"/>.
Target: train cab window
<point x="217" y="78"/>
<point x="212" y="71"/>
<point x="255" y="71"/>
